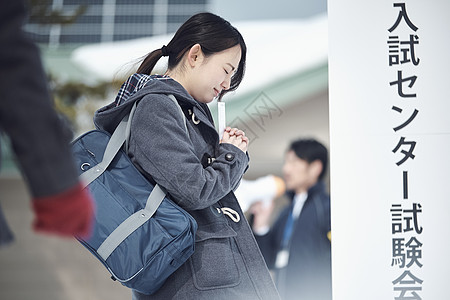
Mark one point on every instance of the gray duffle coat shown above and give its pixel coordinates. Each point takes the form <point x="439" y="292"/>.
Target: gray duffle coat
<point x="200" y="175"/>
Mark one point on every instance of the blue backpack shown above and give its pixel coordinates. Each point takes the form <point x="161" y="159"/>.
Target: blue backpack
<point x="139" y="234"/>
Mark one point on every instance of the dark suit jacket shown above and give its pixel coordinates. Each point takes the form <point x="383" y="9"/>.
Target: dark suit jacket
<point x="308" y="273"/>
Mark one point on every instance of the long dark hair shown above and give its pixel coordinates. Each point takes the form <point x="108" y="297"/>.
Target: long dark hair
<point x="213" y="33"/>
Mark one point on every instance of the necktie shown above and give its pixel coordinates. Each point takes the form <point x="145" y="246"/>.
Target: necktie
<point x="288" y="228"/>
<point x="282" y="258"/>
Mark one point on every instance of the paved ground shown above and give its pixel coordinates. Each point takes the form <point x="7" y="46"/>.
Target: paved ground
<point x="39" y="267"/>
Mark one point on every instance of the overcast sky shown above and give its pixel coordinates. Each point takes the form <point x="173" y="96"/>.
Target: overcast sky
<point x="239" y="10"/>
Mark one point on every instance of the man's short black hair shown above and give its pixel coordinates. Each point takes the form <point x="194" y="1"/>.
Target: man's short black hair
<point x="311" y="150"/>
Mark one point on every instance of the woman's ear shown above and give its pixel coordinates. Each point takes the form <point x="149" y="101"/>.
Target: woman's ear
<point x="195" y="55"/>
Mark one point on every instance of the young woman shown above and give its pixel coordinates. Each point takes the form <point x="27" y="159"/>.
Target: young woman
<point x="199" y="171"/>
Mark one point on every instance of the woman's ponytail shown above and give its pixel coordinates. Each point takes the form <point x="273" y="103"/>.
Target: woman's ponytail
<point x="151" y="59"/>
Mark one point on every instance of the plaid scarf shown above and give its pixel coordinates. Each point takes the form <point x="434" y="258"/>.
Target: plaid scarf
<point x="133" y="84"/>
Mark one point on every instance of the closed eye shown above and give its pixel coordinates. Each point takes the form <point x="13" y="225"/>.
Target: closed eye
<point x="232" y="68"/>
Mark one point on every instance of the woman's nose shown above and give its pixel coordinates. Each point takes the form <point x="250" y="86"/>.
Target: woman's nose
<point x="226" y="83"/>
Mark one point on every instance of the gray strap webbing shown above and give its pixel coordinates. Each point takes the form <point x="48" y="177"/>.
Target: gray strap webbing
<point x="181" y="112"/>
<point x="132" y="223"/>
<point x="121" y="134"/>
<point x="114" y="144"/>
<point x="128" y="129"/>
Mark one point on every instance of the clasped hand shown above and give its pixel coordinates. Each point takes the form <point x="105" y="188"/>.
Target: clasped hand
<point x="235" y="137"/>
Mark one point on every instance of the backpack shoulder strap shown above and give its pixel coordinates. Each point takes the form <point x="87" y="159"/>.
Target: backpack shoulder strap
<point x="115" y="143"/>
<point x="172" y="97"/>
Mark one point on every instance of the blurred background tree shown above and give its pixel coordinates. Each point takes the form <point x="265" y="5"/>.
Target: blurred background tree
<point x="43" y="11"/>
<point x="67" y="93"/>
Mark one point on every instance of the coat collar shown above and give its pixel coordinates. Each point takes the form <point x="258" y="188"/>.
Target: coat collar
<point x="317" y="188"/>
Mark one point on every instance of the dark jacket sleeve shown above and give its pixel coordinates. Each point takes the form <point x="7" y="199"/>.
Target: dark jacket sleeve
<point x="26" y="114"/>
<point x="269" y="244"/>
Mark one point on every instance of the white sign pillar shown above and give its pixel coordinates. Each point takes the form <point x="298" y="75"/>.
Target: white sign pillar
<point x="389" y="65"/>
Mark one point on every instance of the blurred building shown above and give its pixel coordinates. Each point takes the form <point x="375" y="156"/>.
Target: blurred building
<point x="108" y="20"/>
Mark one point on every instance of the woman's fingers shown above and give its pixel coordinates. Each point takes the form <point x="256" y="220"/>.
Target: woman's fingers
<point x="235" y="137"/>
<point x="234" y="131"/>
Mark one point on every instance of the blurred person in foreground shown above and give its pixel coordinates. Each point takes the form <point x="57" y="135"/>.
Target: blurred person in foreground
<point x="297" y="248"/>
<point x="38" y="138"/>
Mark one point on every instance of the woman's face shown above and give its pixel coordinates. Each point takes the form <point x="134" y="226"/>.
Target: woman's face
<point x="213" y="74"/>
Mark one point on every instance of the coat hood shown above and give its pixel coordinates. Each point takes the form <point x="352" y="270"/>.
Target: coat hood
<point x="134" y="89"/>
